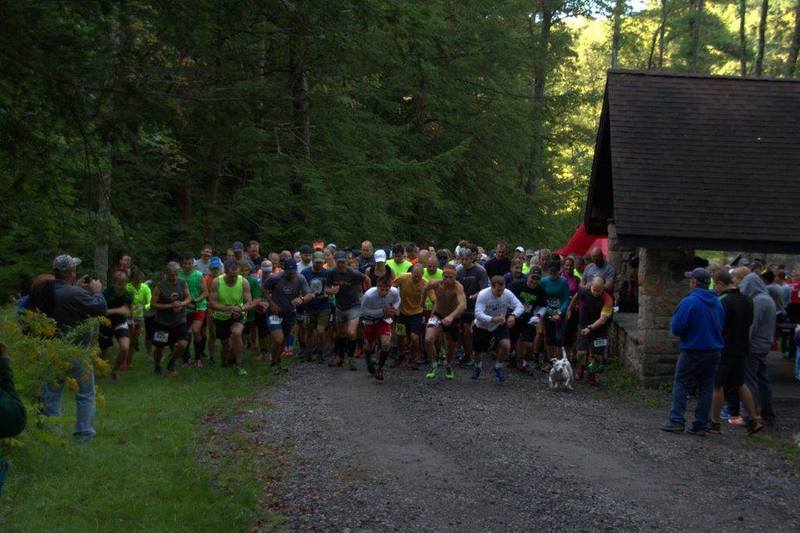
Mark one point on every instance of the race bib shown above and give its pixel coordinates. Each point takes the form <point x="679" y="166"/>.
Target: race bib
<point x="161" y="336"/>
<point x="275" y="320"/>
<point x="553" y="303"/>
<point x="600" y="343"/>
<point x="400" y="330"/>
<point x="434" y="321"/>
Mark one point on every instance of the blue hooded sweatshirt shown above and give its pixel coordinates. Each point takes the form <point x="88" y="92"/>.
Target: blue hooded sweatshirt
<point x="699" y="321"/>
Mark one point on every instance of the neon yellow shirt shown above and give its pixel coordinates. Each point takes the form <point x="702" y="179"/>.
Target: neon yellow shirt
<point x="141" y="299"/>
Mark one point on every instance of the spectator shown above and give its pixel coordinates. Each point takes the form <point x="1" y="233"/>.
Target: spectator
<point x="12" y="412"/>
<point x="761" y="334"/>
<point x="698" y="322"/>
<point x="72" y="304"/>
<point x="599" y="267"/>
<point x="736" y="334"/>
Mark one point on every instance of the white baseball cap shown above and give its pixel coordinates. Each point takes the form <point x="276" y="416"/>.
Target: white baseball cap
<point x="380" y="256"/>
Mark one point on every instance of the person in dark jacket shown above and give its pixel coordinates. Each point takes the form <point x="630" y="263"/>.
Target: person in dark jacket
<point x="761" y="334"/>
<point x="72" y="304"/>
<point x="12" y="412"/>
<point x="736" y="334"/>
<point x="698" y="322"/>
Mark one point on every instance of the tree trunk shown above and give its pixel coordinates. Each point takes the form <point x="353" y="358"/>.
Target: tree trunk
<point x="795" y="47"/>
<point x="299" y="87"/>
<point x="661" y="29"/>
<point x="742" y="37"/>
<point x="540" y="67"/>
<point x="762" y="31"/>
<point x="616" y="34"/>
<point x="695" y="24"/>
<point x="103" y="221"/>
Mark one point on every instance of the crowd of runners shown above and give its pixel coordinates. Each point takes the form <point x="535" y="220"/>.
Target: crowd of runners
<point x="399" y="306"/>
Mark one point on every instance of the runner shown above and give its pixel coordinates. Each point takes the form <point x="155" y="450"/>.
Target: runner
<point x="196" y="310"/>
<point x="432" y="273"/>
<point x="530" y="326"/>
<point x="254" y="255"/>
<point x="595" y="307"/>
<point x="499" y="265"/>
<point x="409" y="323"/>
<point x="379" y="269"/>
<point x="230" y="300"/>
<point x="170" y="298"/>
<point x="450" y="303"/>
<point x="205" y="258"/>
<point x="250" y="333"/>
<point x="367" y="258"/>
<point x="306" y="253"/>
<point x="140" y="304"/>
<point x="214" y="271"/>
<point x="238" y="251"/>
<point x="473" y="278"/>
<point x="412" y="254"/>
<point x="318" y="310"/>
<point x="119" y="302"/>
<point x="346" y="283"/>
<point x="557" y="293"/>
<point x="599" y="267"/>
<point x="379" y="306"/>
<point x="496" y="310"/>
<point x="398" y="264"/>
<point x="262" y="313"/>
<point x="284" y="293"/>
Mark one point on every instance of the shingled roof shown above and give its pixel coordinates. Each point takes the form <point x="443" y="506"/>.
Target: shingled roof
<point x="699" y="162"/>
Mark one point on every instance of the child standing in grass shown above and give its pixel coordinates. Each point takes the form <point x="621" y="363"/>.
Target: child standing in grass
<point x="12" y="412"/>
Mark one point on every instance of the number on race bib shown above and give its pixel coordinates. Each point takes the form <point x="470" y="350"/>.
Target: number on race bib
<point x="275" y="320"/>
<point x="434" y="321"/>
<point x="600" y="343"/>
<point x="161" y="336"/>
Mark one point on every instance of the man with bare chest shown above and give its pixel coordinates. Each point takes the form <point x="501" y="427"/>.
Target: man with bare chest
<point x="450" y="302"/>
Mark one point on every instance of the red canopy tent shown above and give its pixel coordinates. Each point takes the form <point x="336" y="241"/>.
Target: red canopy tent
<point x="581" y="242"/>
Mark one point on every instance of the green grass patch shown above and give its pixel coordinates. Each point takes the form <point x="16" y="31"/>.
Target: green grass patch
<point x="786" y="448"/>
<point x="620" y="382"/>
<point x="152" y="467"/>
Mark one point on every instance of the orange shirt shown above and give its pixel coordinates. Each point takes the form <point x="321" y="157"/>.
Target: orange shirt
<point x="410" y="293"/>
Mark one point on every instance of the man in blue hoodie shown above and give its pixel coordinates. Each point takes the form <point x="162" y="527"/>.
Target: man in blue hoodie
<point x="698" y="322"/>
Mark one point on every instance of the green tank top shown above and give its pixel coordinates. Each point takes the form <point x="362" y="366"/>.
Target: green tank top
<point x="228" y="295"/>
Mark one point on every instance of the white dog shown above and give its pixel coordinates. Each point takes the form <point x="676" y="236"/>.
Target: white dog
<point x="561" y="373"/>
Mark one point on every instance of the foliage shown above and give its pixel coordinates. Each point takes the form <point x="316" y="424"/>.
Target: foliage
<point x="152" y="464"/>
<point x="291" y="121"/>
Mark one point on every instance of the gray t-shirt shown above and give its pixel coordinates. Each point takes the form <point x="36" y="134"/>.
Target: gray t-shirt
<point x="607" y="272"/>
<point x="168" y="293"/>
<point x="474" y="279"/>
<point x="283" y="291"/>
<point x="349" y="283"/>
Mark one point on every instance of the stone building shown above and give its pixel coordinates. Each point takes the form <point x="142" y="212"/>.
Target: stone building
<point x="685" y="163"/>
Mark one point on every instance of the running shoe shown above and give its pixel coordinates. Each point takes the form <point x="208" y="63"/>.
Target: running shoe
<point x="370" y="364"/>
<point x="737" y="421"/>
<point x="379" y="373"/>
<point x="714" y="428"/>
<point x="158" y="371"/>
<point x="199" y="363"/>
<point x="725" y="414"/>
<point x="432" y="372"/>
<point x="448" y="373"/>
<point x="754" y="426"/>
<point x="476" y="373"/>
<point x="498" y="373"/>
<point x="673" y="427"/>
<point x="241" y="371"/>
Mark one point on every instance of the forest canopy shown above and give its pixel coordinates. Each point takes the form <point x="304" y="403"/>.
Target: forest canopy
<point x="156" y="126"/>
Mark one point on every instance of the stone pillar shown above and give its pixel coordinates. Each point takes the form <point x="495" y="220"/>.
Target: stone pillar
<point x="661" y="287"/>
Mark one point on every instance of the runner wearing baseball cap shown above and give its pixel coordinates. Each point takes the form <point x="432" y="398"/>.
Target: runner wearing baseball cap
<point x="346" y="283"/>
<point x="318" y="309"/>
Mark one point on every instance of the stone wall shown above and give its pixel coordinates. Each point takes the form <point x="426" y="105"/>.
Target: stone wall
<point x="661" y="287"/>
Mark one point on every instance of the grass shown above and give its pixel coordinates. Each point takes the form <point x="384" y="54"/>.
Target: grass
<point x="786" y="448"/>
<point x="619" y="382"/>
<point x="143" y="471"/>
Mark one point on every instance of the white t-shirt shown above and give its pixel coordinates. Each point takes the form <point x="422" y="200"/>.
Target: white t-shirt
<point x="372" y="303"/>
<point x="489" y="306"/>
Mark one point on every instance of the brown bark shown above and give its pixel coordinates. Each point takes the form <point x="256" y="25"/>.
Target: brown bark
<point x="795" y="46"/>
<point x="695" y="25"/>
<point x="540" y="68"/>
<point x="661" y="28"/>
<point x="616" y="34"/>
<point x="762" y="32"/>
<point x="298" y="81"/>
<point x="742" y="37"/>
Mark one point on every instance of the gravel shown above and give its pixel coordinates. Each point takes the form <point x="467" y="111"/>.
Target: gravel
<point x="411" y="454"/>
